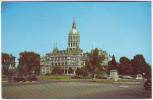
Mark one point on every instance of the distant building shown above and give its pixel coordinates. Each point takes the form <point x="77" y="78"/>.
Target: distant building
<point x="8" y="63"/>
<point x="72" y="57"/>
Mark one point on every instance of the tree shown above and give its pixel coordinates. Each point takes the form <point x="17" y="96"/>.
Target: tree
<point x="93" y="64"/>
<point x="82" y="72"/>
<point x="7" y="61"/>
<point x="125" y="66"/>
<point x="140" y="65"/>
<point x="29" y="62"/>
<point x="57" y="71"/>
<point x="70" y="70"/>
<point x="112" y="65"/>
<point x="137" y="62"/>
<point x="88" y="66"/>
<point x="147" y="71"/>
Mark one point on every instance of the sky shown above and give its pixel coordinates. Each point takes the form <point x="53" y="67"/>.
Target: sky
<point x="120" y="28"/>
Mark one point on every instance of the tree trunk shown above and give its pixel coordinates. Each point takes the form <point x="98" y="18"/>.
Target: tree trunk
<point x="93" y="76"/>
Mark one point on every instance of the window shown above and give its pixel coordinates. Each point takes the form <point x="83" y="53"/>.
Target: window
<point x="74" y="44"/>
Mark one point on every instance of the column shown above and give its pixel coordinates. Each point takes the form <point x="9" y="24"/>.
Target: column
<point x="67" y="72"/>
<point x="64" y="71"/>
<point x="74" y="72"/>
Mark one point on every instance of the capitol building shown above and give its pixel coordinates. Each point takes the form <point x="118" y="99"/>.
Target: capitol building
<point x="72" y="57"/>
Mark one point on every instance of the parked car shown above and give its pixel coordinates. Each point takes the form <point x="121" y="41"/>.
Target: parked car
<point x="109" y="77"/>
<point x="139" y="77"/>
<point x="19" y="79"/>
<point x="147" y="84"/>
<point x="75" y="77"/>
<point x="32" y="78"/>
<point x="101" y="77"/>
<point x="126" y="77"/>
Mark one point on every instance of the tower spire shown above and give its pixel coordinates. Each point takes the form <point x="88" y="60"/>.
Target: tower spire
<point x="74" y="24"/>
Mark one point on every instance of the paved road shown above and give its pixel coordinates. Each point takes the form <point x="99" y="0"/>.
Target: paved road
<point x="78" y="90"/>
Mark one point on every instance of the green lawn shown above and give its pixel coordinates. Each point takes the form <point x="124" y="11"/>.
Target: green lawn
<point x="53" y="77"/>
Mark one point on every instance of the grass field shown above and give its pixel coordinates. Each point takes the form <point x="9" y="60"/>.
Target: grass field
<point x="52" y="77"/>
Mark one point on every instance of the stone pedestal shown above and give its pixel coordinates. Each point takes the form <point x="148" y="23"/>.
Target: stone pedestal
<point x="114" y="75"/>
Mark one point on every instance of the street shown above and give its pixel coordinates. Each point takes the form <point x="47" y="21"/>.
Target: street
<point x="75" y="90"/>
